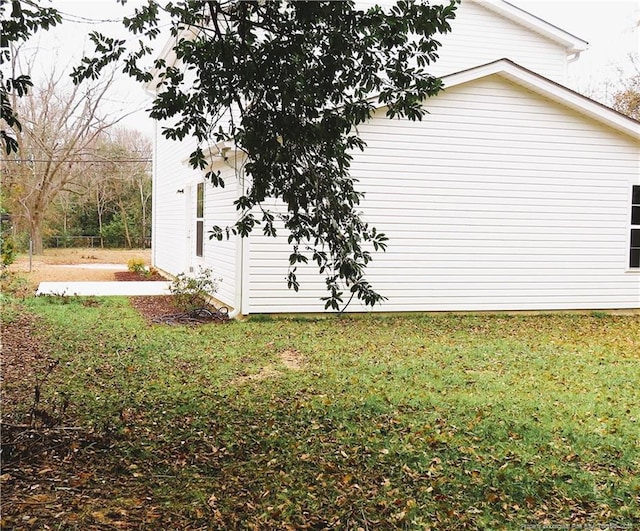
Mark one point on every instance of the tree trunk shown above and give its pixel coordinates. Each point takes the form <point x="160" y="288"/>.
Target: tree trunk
<point x="143" y="207"/>
<point x="99" y="207"/>
<point x="35" y="234"/>
<point x="125" y="225"/>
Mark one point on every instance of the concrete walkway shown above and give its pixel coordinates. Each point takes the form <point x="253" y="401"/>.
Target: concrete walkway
<point x="102" y="288"/>
<point x="87" y="288"/>
<point x="106" y="267"/>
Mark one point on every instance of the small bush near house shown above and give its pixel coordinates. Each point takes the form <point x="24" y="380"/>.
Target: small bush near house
<point x="137" y="265"/>
<point x="192" y="292"/>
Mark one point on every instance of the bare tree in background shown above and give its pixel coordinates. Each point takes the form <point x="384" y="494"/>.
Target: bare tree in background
<point x="123" y="182"/>
<point x="59" y="122"/>
<point x="627" y="99"/>
<point x="112" y="196"/>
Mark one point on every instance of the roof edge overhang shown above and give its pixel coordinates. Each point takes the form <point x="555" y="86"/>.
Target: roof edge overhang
<point x="572" y="44"/>
<point x="549" y="89"/>
<point x="217" y="153"/>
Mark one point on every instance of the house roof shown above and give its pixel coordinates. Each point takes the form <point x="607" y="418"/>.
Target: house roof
<point x="548" y="89"/>
<point x="570" y="42"/>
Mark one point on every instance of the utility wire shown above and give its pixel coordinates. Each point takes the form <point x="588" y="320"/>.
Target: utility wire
<point x="86" y="20"/>
<point x="99" y="161"/>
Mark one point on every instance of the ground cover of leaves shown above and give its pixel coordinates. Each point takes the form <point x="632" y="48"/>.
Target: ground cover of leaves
<point x="417" y="422"/>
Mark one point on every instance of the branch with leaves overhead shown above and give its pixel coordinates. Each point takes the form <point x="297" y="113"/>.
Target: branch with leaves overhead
<point x="23" y="21"/>
<point x="297" y="78"/>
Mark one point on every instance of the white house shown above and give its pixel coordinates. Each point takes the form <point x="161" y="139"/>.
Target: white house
<point x="514" y="193"/>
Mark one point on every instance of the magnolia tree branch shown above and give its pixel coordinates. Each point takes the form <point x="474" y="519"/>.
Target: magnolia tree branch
<point x="288" y="83"/>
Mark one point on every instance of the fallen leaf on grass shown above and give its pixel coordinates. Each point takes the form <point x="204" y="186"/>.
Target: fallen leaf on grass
<point x="212" y="501"/>
<point x="100" y="516"/>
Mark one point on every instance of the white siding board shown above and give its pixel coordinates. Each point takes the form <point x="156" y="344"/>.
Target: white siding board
<point x="221" y="256"/>
<point x="171" y="234"/>
<point x="483" y="213"/>
<point x="443" y="274"/>
<point x="481" y="36"/>
<point x="480" y="145"/>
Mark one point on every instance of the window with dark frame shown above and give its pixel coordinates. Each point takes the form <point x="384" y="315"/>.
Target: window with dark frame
<point x="634" y="252"/>
<point x="200" y="219"/>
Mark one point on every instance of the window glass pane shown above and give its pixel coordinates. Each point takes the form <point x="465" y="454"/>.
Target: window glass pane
<point x="634" y="259"/>
<point x="200" y="201"/>
<point x="635" y="238"/>
<point x="635" y="215"/>
<point x="199" y="237"/>
<point x="635" y="195"/>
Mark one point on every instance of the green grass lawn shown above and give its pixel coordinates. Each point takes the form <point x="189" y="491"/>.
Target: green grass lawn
<point x="414" y="422"/>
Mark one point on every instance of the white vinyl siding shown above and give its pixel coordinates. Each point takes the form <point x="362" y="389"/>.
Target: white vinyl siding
<point x="221" y="256"/>
<point x="498" y="200"/>
<point x="481" y="36"/>
<point x="171" y="237"/>
<point x="174" y="238"/>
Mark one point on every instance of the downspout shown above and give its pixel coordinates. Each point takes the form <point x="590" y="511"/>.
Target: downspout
<point x="237" y="307"/>
<point x="153" y="92"/>
<point x="573" y="58"/>
<point x="239" y="291"/>
<point x="154" y="196"/>
<point x="570" y="59"/>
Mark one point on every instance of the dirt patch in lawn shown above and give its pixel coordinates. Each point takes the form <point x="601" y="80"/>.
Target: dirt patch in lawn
<point x="290" y="358"/>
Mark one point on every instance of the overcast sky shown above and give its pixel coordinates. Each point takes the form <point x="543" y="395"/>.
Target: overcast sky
<point x="610" y="27"/>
